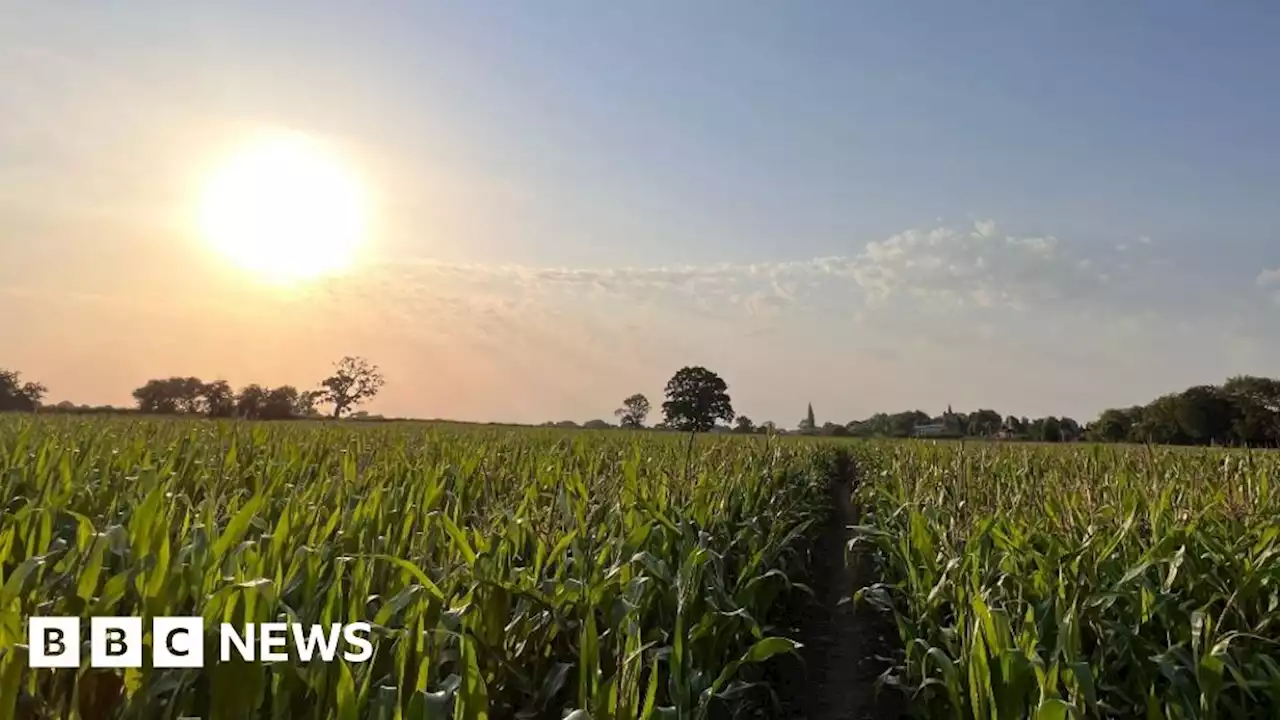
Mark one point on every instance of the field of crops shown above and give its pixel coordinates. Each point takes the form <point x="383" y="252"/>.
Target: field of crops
<point x="1041" y="581"/>
<point x="539" y="573"/>
<point x="507" y="573"/>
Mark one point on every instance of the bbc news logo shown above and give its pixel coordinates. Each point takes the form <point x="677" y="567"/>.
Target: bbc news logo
<point x="179" y="642"/>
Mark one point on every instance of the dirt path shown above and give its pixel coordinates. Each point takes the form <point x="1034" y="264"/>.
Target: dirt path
<point x="841" y="641"/>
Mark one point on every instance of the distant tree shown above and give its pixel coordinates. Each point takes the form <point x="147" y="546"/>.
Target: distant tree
<point x="17" y="395"/>
<point x="354" y="381"/>
<point x="159" y="396"/>
<point x="279" y="403"/>
<point x="808" y="425"/>
<point x="566" y="425"/>
<point x="744" y="425"/>
<point x="1015" y="426"/>
<point x="984" y="423"/>
<point x="1050" y="429"/>
<point x="596" y="425"/>
<point x="1257" y="403"/>
<point x="1206" y="414"/>
<point x="305" y="405"/>
<point x="904" y="424"/>
<point x="1159" y="423"/>
<point x="831" y="429"/>
<point x="696" y="399"/>
<point x="188" y="394"/>
<point x="1112" y="426"/>
<point x="767" y="427"/>
<point x="218" y="398"/>
<point x="249" y="401"/>
<point x="1071" y="430"/>
<point x="633" y="412"/>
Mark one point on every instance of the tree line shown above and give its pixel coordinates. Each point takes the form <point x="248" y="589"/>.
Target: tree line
<point x="1244" y="410"/>
<point x="353" y="381"/>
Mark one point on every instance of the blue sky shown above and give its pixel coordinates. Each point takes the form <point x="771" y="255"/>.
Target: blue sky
<point x="1037" y="207"/>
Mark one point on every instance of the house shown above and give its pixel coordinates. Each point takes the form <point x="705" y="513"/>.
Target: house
<point x="932" y="430"/>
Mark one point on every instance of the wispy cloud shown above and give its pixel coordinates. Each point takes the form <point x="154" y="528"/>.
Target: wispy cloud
<point x="933" y="269"/>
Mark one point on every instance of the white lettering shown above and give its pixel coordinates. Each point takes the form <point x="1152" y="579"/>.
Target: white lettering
<point x="274" y="635"/>
<point x="228" y="637"/>
<point x="349" y="633"/>
<point x="307" y="644"/>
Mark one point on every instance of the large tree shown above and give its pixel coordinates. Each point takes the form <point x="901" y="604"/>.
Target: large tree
<point x="984" y="423"/>
<point x="633" y="411"/>
<point x="171" y="395"/>
<point x="1113" y="426"/>
<point x="219" y="399"/>
<point x="1257" y="402"/>
<point x="17" y="395"/>
<point x="1206" y="414"/>
<point x="353" y="381"/>
<point x="249" y="401"/>
<point x="696" y="399"/>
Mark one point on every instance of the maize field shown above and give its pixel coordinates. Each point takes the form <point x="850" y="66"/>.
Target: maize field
<point x="532" y="573"/>
<point x="506" y="573"/>
<point x="1077" y="582"/>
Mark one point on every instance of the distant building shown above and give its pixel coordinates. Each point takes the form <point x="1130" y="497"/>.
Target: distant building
<point x="946" y="426"/>
<point x="933" y="430"/>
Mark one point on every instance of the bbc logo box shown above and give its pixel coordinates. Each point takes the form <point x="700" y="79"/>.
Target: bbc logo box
<point x="179" y="642"/>
<point x="115" y="642"/>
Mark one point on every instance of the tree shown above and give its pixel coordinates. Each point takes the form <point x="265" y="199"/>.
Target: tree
<point x="831" y="429"/>
<point x="1257" y="402"/>
<point x="305" y="405"/>
<point x="768" y="427"/>
<point x="1050" y="429"/>
<point x="744" y="425"/>
<point x="354" y="381"/>
<point x="984" y="423"/>
<point x="157" y="396"/>
<point x="696" y="399"/>
<point x="1015" y="426"/>
<point x="904" y="424"/>
<point x="1071" y="430"/>
<point x="279" y="403"/>
<point x="1112" y="426"/>
<point x="1159" y="423"/>
<point x="173" y="395"/>
<point x="633" y="411"/>
<point x="808" y="425"/>
<point x="17" y="395"/>
<point x="219" y="399"/>
<point x="249" y="402"/>
<point x="1206" y="414"/>
<point x="596" y="425"/>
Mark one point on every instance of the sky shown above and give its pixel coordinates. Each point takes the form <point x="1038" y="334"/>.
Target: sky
<point x="1041" y="208"/>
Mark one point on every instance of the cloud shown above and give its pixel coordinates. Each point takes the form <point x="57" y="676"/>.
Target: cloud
<point x="1269" y="277"/>
<point x="944" y="267"/>
<point x="929" y="271"/>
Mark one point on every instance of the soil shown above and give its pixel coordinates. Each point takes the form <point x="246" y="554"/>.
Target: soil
<point x="846" y="646"/>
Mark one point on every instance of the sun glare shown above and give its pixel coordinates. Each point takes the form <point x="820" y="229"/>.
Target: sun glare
<point x="284" y="209"/>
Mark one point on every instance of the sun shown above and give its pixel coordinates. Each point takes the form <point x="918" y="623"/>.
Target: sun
<point x="284" y="209"/>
